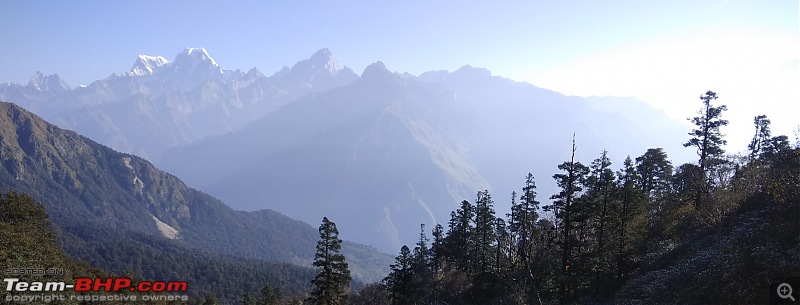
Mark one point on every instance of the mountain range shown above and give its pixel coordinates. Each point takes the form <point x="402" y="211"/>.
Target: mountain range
<point x="97" y="196"/>
<point x="159" y="104"/>
<point x="380" y="152"/>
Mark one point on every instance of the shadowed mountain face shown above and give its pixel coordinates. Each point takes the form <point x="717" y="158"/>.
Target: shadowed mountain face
<point x="87" y="186"/>
<point x="388" y="152"/>
<point x="377" y="156"/>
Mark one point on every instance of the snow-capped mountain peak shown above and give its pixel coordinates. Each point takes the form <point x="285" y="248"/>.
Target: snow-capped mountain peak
<point x="195" y="56"/>
<point x="146" y="65"/>
<point x="324" y="58"/>
<point x="42" y="82"/>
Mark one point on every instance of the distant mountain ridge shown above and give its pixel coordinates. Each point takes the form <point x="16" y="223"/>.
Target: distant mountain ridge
<point x="391" y="151"/>
<point x="160" y="104"/>
<point x="317" y="139"/>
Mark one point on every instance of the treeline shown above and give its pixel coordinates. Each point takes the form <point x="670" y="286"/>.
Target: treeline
<point x="602" y="227"/>
<point x="28" y="240"/>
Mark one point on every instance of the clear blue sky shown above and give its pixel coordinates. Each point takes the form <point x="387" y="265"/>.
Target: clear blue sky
<point x="664" y="52"/>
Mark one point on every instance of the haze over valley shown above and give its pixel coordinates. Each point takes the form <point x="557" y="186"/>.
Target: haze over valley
<point x="382" y="151"/>
<point x="377" y="153"/>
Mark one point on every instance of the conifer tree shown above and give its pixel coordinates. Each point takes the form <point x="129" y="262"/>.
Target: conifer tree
<point x="399" y="281"/>
<point x="268" y="295"/>
<point x="600" y="184"/>
<point x="627" y="179"/>
<point x="654" y="170"/>
<point x="437" y="248"/>
<point x="423" y="277"/>
<point x="574" y="175"/>
<point x="523" y="217"/>
<point x="332" y="283"/>
<point x="761" y="137"/>
<point x="484" y="231"/>
<point x="458" y="244"/>
<point x="707" y="138"/>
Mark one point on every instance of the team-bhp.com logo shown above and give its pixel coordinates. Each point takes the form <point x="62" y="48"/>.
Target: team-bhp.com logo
<point x="84" y="284"/>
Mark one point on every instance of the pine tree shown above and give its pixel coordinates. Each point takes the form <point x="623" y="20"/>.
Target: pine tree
<point x="458" y="244"/>
<point x="600" y="184"/>
<point x="655" y="174"/>
<point x="569" y="182"/>
<point x="268" y="295"/>
<point x="761" y="138"/>
<point x="399" y="281"/>
<point x="523" y="217"/>
<point x="437" y="248"/>
<point x="484" y="231"/>
<point x="332" y="283"/>
<point x="707" y="138"/>
<point x="654" y="170"/>
<point x="422" y="276"/>
<point x="629" y="197"/>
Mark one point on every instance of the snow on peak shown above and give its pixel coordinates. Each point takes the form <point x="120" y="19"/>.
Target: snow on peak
<point x="196" y="55"/>
<point x="146" y="65"/>
<point x="324" y="58"/>
<point x="42" y="82"/>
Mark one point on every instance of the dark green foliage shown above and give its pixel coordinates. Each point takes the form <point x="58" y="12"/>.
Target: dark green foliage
<point x="160" y="259"/>
<point x="458" y="246"/>
<point x="371" y="294"/>
<point x="630" y="237"/>
<point x="268" y="296"/>
<point x="654" y="171"/>
<point x="568" y="223"/>
<point x="762" y="136"/>
<point x="484" y="234"/>
<point x="399" y="281"/>
<point x="707" y="139"/>
<point x="332" y="283"/>
<point x="82" y="183"/>
<point x="210" y="299"/>
<point x="27" y="242"/>
<point x="247" y="299"/>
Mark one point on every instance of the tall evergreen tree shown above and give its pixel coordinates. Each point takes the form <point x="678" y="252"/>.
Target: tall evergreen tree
<point x="399" y="281"/>
<point x="574" y="175"/>
<point x="654" y="170"/>
<point x="600" y="183"/>
<point x="422" y="275"/>
<point x="630" y="195"/>
<point x="437" y="247"/>
<point x="707" y="138"/>
<point x="484" y="231"/>
<point x="523" y="218"/>
<point x="761" y="137"/>
<point x="332" y="283"/>
<point x="458" y="244"/>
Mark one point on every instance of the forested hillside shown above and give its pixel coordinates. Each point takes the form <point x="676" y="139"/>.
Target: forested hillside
<point x="644" y="232"/>
<point x="118" y="212"/>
